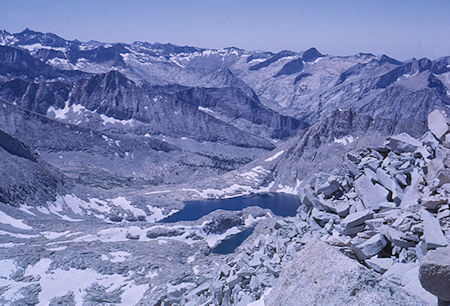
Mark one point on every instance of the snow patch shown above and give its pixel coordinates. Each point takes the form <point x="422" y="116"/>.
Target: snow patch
<point x="119" y="256"/>
<point x="344" y="140"/>
<point x="275" y="156"/>
<point x="54" y="235"/>
<point x="126" y="205"/>
<point x="111" y="120"/>
<point x="289" y="189"/>
<point x="17" y="223"/>
<point x="38" y="46"/>
<point x="60" y="282"/>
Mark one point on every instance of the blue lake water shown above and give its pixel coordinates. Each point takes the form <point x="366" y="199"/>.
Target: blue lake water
<point x="281" y="204"/>
<point x="229" y="244"/>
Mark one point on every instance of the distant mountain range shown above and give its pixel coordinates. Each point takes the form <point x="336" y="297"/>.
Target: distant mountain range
<point x="217" y="108"/>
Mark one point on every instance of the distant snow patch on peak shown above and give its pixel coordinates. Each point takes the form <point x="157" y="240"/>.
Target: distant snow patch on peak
<point x="111" y="120"/>
<point x="61" y="113"/>
<point x="345" y="140"/>
<point x="38" y="46"/>
<point x="275" y="156"/>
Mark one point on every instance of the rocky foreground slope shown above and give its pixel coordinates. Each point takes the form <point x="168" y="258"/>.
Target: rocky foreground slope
<point x="387" y="211"/>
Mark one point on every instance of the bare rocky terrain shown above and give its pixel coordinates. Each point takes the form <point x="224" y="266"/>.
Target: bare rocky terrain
<point x="100" y="142"/>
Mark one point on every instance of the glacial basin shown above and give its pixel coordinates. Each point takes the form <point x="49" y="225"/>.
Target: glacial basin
<point x="281" y="204"/>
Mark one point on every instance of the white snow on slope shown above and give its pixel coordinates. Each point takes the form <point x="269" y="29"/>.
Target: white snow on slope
<point x="275" y="156"/>
<point x="17" y="223"/>
<point x="60" y="282"/>
<point x="126" y="205"/>
<point x="54" y="235"/>
<point x="112" y="120"/>
<point x="17" y="235"/>
<point x="38" y="46"/>
<point x="344" y="140"/>
<point x="61" y="113"/>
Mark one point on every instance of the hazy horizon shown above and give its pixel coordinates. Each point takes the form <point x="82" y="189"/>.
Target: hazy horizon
<point x="403" y="29"/>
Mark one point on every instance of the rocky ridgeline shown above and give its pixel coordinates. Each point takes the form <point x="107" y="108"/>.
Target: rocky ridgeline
<point x="392" y="205"/>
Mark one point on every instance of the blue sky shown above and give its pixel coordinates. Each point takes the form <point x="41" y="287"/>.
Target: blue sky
<point x="400" y="28"/>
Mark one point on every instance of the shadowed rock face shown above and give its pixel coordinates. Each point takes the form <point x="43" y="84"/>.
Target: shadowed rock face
<point x="311" y="55"/>
<point x="272" y="59"/>
<point x="292" y="67"/>
<point x="15" y="147"/>
<point x="435" y="273"/>
<point x="23" y="177"/>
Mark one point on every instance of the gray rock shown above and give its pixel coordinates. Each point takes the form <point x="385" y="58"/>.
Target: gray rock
<point x="397" y="272"/>
<point x="371" y="195"/>
<point x="374" y="224"/>
<point x="380" y="265"/>
<point x="322" y="217"/>
<point x="352" y="168"/>
<point x="443" y="177"/>
<point x="429" y="140"/>
<point x="354" y="157"/>
<point x="321" y="275"/>
<point x="432" y="231"/>
<point x="221" y="223"/>
<point x="357" y="218"/>
<point x="443" y="214"/>
<point x="433" y="168"/>
<point x="433" y="201"/>
<point x="341" y="208"/>
<point x="435" y="273"/>
<point x="369" y="162"/>
<point x="401" y="179"/>
<point x="390" y="184"/>
<point x="232" y="280"/>
<point x="421" y="250"/>
<point x="369" y="247"/>
<point x="371" y="174"/>
<point x="328" y="188"/>
<point x="437" y="123"/>
<point x="402" y="143"/>
<point x="446" y="141"/>
<point x="397" y="238"/>
<point x="412" y="194"/>
<point x="350" y="230"/>
<point x="163" y="232"/>
<point x="132" y="237"/>
<point x="309" y="199"/>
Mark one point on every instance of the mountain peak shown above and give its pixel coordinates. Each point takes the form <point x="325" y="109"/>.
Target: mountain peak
<point x="311" y="55"/>
<point x="29" y="31"/>
<point x="386" y="59"/>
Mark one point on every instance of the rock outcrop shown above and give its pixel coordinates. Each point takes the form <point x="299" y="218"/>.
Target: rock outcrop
<point x="321" y="275"/>
<point x="435" y="274"/>
<point x="397" y="197"/>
